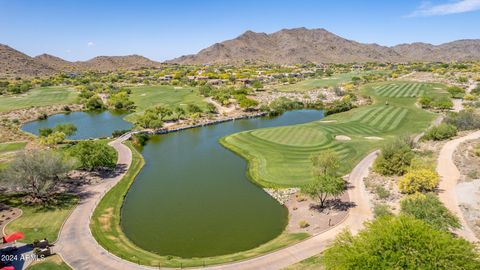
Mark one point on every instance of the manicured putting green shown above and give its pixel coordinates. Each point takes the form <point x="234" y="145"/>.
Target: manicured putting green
<point x="44" y="96"/>
<point x="281" y="156"/>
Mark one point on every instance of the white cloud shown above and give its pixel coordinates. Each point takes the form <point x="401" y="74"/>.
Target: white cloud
<point x="68" y="51"/>
<point x="90" y="44"/>
<point x="458" y="6"/>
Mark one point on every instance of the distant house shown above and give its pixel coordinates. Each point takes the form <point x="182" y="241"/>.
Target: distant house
<point x="201" y="78"/>
<point x="215" y="81"/>
<point x="357" y="67"/>
<point x="166" y="78"/>
<point x="245" y="81"/>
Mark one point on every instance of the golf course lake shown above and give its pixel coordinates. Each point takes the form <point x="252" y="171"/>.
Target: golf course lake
<point x="89" y="124"/>
<point x="193" y="197"/>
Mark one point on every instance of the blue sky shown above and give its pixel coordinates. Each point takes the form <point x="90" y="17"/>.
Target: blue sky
<point x="160" y="30"/>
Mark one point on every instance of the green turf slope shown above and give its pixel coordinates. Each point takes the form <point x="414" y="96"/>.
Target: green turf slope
<point x="281" y="156"/>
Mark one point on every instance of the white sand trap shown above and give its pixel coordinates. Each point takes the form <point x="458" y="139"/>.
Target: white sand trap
<point x="342" y="138"/>
<point x="374" y="138"/>
<point x="177" y="87"/>
<point x="328" y="121"/>
<point x="142" y="95"/>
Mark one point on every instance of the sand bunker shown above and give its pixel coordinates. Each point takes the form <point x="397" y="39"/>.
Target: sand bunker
<point x="342" y="138"/>
<point x="328" y="121"/>
<point x="374" y="138"/>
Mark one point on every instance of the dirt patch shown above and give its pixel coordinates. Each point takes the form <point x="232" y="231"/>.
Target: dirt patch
<point x="468" y="194"/>
<point x="467" y="162"/>
<point x="383" y="190"/>
<point x="105" y="219"/>
<point x="342" y="138"/>
<point x="306" y="216"/>
<point x="7" y="214"/>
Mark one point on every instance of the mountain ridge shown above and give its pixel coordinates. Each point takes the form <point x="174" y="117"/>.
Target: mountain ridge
<point x="301" y="45"/>
<point x="286" y="46"/>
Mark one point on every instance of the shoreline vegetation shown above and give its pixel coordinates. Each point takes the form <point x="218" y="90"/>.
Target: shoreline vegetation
<point x="106" y="229"/>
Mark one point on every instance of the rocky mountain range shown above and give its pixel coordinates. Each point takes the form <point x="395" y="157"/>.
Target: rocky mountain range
<point x="287" y="46"/>
<point x="301" y="45"/>
<point x="17" y="64"/>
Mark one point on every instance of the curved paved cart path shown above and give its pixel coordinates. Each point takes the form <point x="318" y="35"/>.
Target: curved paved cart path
<point x="449" y="176"/>
<point x="79" y="249"/>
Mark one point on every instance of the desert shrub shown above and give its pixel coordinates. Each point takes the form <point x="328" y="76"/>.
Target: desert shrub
<point x="430" y="209"/>
<point x="94" y="103"/>
<point x="463" y="120"/>
<point x="382" y="192"/>
<point x="425" y="101"/>
<point x="380" y="210"/>
<point x="400" y="243"/>
<point x="442" y="103"/>
<point x="283" y="104"/>
<point x="338" y="106"/>
<point x="456" y="92"/>
<point x="140" y="139"/>
<point x="418" y="180"/>
<point x="119" y="132"/>
<point x="394" y="158"/>
<point x="477" y="150"/>
<point x="303" y="224"/>
<point x="53" y="138"/>
<point x="441" y="132"/>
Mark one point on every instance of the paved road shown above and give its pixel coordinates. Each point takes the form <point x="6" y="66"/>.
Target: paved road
<point x="449" y="176"/>
<point x="80" y="250"/>
<point x="76" y="244"/>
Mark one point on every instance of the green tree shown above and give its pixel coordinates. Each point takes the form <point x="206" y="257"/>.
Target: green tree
<point x="37" y="172"/>
<point x="441" y="132"/>
<point x="53" y="138"/>
<point x="326" y="181"/>
<point x="120" y="101"/>
<point x="456" y="92"/>
<point x="193" y="108"/>
<point x="44" y="132"/>
<point x="69" y="129"/>
<point x="94" y="103"/>
<point x="430" y="209"/>
<point x="92" y="155"/>
<point x="400" y="243"/>
<point x="394" y="158"/>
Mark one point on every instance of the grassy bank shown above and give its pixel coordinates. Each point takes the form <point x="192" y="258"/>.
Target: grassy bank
<point x="54" y="262"/>
<point x="38" y="221"/>
<point x="280" y="156"/>
<point x="165" y="95"/>
<point x="43" y="96"/>
<point x="105" y="227"/>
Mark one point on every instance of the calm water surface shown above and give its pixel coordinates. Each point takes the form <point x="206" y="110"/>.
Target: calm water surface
<point x="193" y="197"/>
<point x="89" y="124"/>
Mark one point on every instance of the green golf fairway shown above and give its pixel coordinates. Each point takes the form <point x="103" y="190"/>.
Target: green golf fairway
<point x="281" y="156"/>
